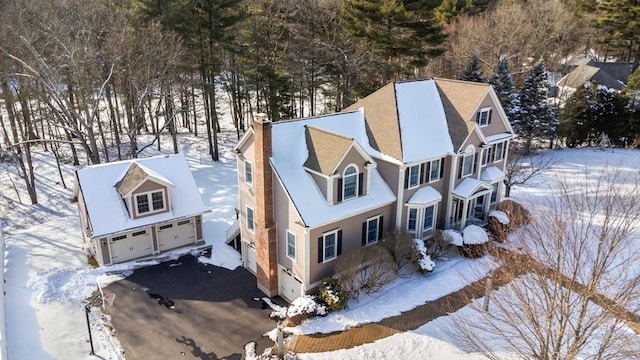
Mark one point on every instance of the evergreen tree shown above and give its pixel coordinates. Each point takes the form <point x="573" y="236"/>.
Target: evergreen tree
<point x="502" y="82"/>
<point x="450" y="9"/>
<point x="473" y="71"/>
<point x="575" y="116"/>
<point x="397" y="32"/>
<point x="534" y="118"/>
<point x="619" y="20"/>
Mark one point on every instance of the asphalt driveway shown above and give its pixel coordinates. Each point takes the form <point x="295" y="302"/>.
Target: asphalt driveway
<point x="186" y="310"/>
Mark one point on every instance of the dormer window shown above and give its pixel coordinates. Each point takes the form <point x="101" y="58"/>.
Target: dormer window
<point x="484" y="117"/>
<point x="350" y="183"/>
<point x="150" y="202"/>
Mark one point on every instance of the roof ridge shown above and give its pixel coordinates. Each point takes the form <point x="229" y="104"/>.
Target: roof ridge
<point x="328" y="132"/>
<point x="314" y="117"/>
<point x="461" y="81"/>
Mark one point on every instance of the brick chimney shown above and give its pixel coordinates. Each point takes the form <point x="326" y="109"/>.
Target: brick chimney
<point x="265" y="232"/>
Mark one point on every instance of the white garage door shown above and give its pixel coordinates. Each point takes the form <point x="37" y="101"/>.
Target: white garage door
<point x="176" y="234"/>
<point x="250" y="258"/>
<point x="290" y="287"/>
<point x="130" y="246"/>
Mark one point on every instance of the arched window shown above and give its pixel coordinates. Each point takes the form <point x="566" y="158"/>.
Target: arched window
<point x="350" y="182"/>
<point x="467" y="161"/>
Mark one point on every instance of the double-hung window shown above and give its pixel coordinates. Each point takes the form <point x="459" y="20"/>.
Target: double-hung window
<point x="484" y="117"/>
<point x="427" y="223"/>
<point x="499" y="152"/>
<point x="414" y="176"/>
<point x="434" y="173"/>
<point x="350" y="183"/>
<point x="291" y="245"/>
<point x="372" y="230"/>
<point x="248" y="172"/>
<point x="467" y="164"/>
<point x="329" y="246"/>
<point x="412" y="220"/>
<point x="250" y="219"/>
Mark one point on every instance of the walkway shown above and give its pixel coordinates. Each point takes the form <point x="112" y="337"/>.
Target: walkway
<point x="514" y="265"/>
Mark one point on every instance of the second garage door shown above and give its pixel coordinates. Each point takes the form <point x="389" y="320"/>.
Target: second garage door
<point x="176" y="234"/>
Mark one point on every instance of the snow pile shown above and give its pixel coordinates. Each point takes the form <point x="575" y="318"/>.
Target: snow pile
<point x="425" y="262"/>
<point x="500" y="216"/>
<point x="453" y="237"/>
<point x="474" y="235"/>
<point x="305" y="305"/>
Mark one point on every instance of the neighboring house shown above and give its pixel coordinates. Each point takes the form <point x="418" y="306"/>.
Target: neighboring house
<point x="613" y="75"/>
<point x="135" y="208"/>
<point x="413" y="156"/>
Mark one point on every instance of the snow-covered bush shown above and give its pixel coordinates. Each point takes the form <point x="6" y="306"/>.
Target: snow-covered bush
<point x="332" y="295"/>
<point x="424" y="262"/>
<point x="498" y="225"/>
<point x="453" y="237"/>
<point x="474" y="241"/>
<point x="300" y="309"/>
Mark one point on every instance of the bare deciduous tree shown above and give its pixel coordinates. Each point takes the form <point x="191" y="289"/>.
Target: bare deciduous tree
<point x="578" y="286"/>
<point x="521" y="168"/>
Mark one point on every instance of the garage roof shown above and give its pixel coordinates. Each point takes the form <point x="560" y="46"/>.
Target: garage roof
<point x="105" y="208"/>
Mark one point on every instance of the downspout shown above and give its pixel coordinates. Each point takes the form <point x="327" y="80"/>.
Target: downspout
<point x="306" y="260"/>
<point x="452" y="182"/>
<point x="400" y="201"/>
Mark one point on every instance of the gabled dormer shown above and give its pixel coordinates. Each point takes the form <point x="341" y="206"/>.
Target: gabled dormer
<point x="144" y="192"/>
<point x="339" y="166"/>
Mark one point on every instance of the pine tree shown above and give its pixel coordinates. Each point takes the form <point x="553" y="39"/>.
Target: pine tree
<point x="534" y="118"/>
<point x="473" y="71"/>
<point x="397" y="32"/>
<point x="502" y="82"/>
<point x="619" y="20"/>
<point x="575" y="115"/>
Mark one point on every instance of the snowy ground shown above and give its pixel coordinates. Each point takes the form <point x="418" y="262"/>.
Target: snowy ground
<point x="48" y="277"/>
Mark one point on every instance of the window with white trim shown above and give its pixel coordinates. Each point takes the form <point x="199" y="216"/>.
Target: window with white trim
<point x="467" y="164"/>
<point x="494" y="193"/>
<point x="372" y="230"/>
<point x="150" y="202"/>
<point x="248" y="172"/>
<point x="291" y="245"/>
<point x="427" y="220"/>
<point x="434" y="173"/>
<point x="499" y="152"/>
<point x="485" y="156"/>
<point x="350" y="183"/>
<point x="250" y="219"/>
<point x="329" y="245"/>
<point x="483" y="117"/>
<point x="414" y="176"/>
<point x="412" y="220"/>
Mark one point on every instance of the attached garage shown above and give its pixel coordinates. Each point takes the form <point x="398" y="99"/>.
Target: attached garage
<point x="131" y="245"/>
<point x="250" y="259"/>
<point x="290" y="286"/>
<point x="176" y="234"/>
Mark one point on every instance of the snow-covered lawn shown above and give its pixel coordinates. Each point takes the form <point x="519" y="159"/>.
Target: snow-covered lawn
<point x="48" y="276"/>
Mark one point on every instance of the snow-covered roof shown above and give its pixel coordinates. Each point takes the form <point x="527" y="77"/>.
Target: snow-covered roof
<point x="423" y="124"/>
<point x="491" y="174"/>
<point x="468" y="187"/>
<point x="497" y="137"/>
<point x="425" y="195"/>
<point x="105" y="207"/>
<point x="290" y="151"/>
